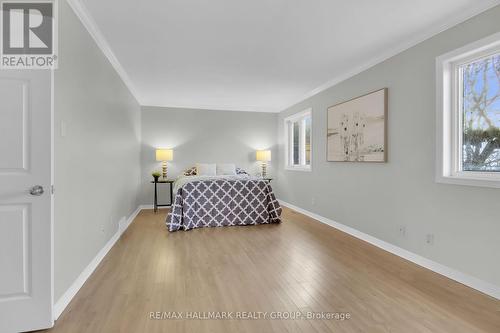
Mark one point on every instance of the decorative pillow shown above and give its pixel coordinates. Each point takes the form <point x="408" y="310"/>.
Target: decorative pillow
<point x="190" y="172"/>
<point x="226" y="169"/>
<point x="240" y="171"/>
<point x="204" y="169"/>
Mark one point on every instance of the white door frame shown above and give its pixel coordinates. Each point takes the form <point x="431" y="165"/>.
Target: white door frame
<point x="52" y="189"/>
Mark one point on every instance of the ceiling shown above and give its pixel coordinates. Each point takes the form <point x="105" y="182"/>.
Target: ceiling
<point x="259" y="55"/>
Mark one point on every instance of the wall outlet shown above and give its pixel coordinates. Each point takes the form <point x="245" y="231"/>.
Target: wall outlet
<point x="402" y="231"/>
<point x="313" y="201"/>
<point x="429" y="239"/>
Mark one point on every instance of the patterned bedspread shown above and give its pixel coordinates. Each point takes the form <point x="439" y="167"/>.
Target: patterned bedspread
<point x="226" y="201"/>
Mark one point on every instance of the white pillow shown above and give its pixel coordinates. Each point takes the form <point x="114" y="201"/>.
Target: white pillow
<point x="204" y="169"/>
<point x="226" y="169"/>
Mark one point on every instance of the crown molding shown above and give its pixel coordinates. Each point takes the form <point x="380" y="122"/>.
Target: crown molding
<point x="464" y="16"/>
<point x="212" y="108"/>
<point x="90" y="24"/>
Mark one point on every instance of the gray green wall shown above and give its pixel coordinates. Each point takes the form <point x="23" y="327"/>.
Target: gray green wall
<point x="379" y="198"/>
<point x="203" y="136"/>
<point x="103" y="169"/>
<point x="97" y="162"/>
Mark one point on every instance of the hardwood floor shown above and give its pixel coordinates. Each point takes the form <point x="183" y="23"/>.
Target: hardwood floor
<point x="299" y="265"/>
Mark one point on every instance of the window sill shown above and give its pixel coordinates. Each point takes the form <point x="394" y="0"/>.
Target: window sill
<point x="485" y="180"/>
<point x="298" y="168"/>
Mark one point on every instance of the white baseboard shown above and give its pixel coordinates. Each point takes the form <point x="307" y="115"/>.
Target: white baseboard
<point x="125" y="223"/>
<point x="66" y="298"/>
<point x="470" y="281"/>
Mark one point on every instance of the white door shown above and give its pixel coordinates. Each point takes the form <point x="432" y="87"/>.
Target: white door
<point x="25" y="218"/>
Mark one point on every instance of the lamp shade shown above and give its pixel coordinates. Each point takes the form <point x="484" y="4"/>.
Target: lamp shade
<point x="164" y="154"/>
<point x="263" y="155"/>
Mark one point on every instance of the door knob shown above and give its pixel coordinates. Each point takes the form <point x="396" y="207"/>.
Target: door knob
<point x="36" y="190"/>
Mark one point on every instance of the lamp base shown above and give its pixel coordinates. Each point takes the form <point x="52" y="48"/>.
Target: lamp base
<point x="164" y="168"/>
<point x="264" y="170"/>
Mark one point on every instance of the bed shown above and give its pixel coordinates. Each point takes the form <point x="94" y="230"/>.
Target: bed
<point x="221" y="200"/>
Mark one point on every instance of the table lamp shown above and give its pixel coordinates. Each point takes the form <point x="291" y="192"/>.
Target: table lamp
<point x="164" y="155"/>
<point x="264" y="156"/>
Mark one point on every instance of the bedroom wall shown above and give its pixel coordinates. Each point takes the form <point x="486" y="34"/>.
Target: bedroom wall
<point x="203" y="136"/>
<point x="97" y="161"/>
<point x="379" y="198"/>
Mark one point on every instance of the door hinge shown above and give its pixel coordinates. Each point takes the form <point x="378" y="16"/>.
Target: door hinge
<point x="52" y="189"/>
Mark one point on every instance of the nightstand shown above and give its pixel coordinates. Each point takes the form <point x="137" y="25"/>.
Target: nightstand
<point x="170" y="183"/>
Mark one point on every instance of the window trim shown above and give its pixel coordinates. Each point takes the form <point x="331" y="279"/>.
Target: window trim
<point x="448" y="115"/>
<point x="289" y="141"/>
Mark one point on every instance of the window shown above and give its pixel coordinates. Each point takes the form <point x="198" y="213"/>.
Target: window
<point x="480" y="112"/>
<point x="468" y="151"/>
<point x="298" y="142"/>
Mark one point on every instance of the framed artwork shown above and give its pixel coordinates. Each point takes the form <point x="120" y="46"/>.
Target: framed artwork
<point x="357" y="129"/>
